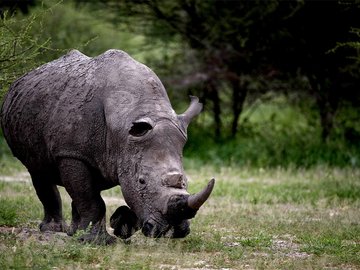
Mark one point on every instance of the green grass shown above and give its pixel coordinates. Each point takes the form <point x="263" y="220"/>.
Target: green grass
<point x="256" y="218"/>
<point x="8" y="163"/>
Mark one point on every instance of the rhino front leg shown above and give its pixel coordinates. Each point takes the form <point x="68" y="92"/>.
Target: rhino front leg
<point x="88" y="208"/>
<point x="50" y="198"/>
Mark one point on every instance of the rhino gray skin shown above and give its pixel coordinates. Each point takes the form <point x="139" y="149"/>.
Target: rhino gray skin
<point x="89" y="124"/>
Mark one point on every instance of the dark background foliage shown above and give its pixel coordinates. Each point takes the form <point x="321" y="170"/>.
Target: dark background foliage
<point x="279" y="79"/>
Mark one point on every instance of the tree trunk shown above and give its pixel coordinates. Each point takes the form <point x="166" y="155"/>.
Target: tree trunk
<point x="214" y="96"/>
<point x="327" y="103"/>
<point x="239" y="95"/>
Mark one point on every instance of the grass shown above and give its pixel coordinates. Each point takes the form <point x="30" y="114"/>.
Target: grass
<point x="8" y="164"/>
<point x="256" y="218"/>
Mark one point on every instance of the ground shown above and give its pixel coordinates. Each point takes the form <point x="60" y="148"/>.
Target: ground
<point x="255" y="219"/>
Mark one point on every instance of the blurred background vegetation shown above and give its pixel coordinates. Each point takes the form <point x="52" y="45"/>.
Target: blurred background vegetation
<point x="279" y="79"/>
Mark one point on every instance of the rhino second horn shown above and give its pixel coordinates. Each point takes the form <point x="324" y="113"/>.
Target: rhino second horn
<point x="194" y="109"/>
<point x="195" y="201"/>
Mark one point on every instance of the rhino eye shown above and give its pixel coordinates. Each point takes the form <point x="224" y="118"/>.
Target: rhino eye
<point x="140" y="129"/>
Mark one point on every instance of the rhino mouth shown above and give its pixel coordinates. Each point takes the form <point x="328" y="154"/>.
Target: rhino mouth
<point x="155" y="229"/>
<point x="125" y="223"/>
<point x="172" y="222"/>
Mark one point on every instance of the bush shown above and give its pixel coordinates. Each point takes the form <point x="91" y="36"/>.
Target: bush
<point x="18" y="49"/>
<point x="276" y="134"/>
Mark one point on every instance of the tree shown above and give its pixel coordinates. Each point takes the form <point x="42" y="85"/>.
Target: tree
<point x="272" y="39"/>
<point x="313" y="31"/>
<point x="18" y="49"/>
<point x="217" y="32"/>
<point x="227" y="47"/>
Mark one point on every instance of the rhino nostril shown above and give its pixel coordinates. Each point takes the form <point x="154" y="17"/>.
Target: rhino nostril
<point x="142" y="181"/>
<point x="181" y="230"/>
<point x="147" y="229"/>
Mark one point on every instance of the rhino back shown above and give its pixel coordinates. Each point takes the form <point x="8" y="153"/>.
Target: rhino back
<point x="80" y="107"/>
<point x="32" y="103"/>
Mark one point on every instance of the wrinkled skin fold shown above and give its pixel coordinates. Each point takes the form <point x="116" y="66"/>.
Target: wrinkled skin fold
<point x="90" y="124"/>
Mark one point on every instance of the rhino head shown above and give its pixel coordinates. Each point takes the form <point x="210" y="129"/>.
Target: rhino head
<point x="156" y="190"/>
<point x="144" y="142"/>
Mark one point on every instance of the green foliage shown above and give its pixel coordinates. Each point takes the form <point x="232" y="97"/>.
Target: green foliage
<point x="53" y="29"/>
<point x="263" y="151"/>
<point x="8" y="163"/>
<point x="277" y="133"/>
<point x="266" y="41"/>
<point x="74" y="27"/>
<point x="352" y="55"/>
<point x="19" y="50"/>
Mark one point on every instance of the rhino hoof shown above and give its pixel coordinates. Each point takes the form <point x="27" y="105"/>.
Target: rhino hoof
<point x="97" y="239"/>
<point x="53" y="226"/>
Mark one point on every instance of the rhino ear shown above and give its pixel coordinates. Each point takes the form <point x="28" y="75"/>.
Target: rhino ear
<point x="194" y="109"/>
<point x="124" y="222"/>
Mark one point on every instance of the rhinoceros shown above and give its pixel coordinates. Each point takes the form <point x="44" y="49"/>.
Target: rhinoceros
<point x="90" y="124"/>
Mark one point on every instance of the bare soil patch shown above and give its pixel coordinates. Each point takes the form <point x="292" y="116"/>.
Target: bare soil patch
<point x="24" y="234"/>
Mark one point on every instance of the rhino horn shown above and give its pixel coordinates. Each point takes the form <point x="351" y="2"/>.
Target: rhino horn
<point x="193" y="110"/>
<point x="180" y="207"/>
<point x="195" y="201"/>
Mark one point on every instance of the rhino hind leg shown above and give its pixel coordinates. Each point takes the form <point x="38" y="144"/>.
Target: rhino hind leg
<point x="51" y="201"/>
<point x="88" y="208"/>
